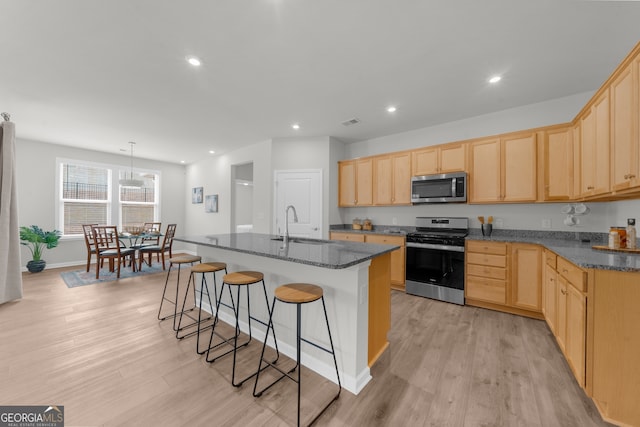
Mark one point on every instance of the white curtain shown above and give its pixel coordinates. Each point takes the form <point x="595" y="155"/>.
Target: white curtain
<point x="10" y="274"/>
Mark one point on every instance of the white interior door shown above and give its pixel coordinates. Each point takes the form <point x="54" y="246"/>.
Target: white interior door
<point x="303" y="190"/>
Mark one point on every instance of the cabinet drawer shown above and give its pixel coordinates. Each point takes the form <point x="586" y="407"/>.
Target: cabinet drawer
<point x="487" y="271"/>
<point x="496" y="248"/>
<point x="385" y="240"/>
<point x="574" y="274"/>
<point x="550" y="259"/>
<point x="484" y="259"/>
<point x="484" y="289"/>
<point x="352" y="237"/>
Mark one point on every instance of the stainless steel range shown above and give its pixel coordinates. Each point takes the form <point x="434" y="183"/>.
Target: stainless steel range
<point x="435" y="258"/>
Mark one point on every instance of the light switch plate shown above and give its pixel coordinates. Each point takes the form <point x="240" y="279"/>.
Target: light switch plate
<point x="546" y="222"/>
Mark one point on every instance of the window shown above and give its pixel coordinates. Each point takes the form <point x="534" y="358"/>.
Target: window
<point x="90" y="194"/>
<point x="138" y="205"/>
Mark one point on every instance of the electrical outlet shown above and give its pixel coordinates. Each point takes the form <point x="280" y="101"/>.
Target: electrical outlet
<point x="394" y="221"/>
<point x="498" y="222"/>
<point x="546" y="222"/>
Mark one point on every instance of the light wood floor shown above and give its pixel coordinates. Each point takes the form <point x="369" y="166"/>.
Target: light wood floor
<point x="99" y="351"/>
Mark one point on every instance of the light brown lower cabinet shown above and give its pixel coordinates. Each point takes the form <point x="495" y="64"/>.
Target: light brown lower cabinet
<point x="565" y="310"/>
<point x="550" y="291"/>
<point x="526" y="276"/>
<point x="398" y="257"/>
<point x="504" y="276"/>
<point x="615" y="314"/>
<point x="486" y="273"/>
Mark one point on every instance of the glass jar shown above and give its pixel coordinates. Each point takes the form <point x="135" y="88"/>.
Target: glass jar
<point x="614" y="238"/>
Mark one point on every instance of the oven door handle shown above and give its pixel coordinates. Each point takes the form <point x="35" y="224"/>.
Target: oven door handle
<point x="437" y="247"/>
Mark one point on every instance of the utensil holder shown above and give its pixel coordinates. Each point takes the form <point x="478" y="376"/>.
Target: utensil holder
<point x="487" y="229"/>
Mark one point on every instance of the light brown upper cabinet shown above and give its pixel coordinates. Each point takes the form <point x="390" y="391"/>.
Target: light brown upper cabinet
<point x="484" y="174"/>
<point x="577" y="166"/>
<point x="392" y="179"/>
<point x="355" y="182"/>
<point x="624" y="129"/>
<point x="557" y="157"/>
<point x="504" y="169"/>
<point x="441" y="159"/>
<point x="594" y="146"/>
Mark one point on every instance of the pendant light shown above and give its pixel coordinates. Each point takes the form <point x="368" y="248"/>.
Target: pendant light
<point x="131" y="182"/>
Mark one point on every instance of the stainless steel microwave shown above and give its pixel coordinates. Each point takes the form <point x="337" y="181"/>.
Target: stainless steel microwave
<point x="441" y="188"/>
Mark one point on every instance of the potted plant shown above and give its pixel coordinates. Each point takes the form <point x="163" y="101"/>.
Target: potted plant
<point x="37" y="240"/>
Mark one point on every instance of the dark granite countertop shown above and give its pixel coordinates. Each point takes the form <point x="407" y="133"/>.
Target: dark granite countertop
<point x="320" y="253"/>
<point x="570" y="246"/>
<point x="574" y="246"/>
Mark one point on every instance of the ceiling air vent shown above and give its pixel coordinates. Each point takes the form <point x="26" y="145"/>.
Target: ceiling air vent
<point x="353" y="121"/>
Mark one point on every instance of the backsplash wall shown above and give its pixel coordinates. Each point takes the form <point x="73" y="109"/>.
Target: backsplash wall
<point x="506" y="216"/>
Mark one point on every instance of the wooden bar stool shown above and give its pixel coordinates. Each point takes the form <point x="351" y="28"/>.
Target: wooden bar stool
<point x="202" y="268"/>
<point x="298" y="294"/>
<point x="240" y="279"/>
<point x="179" y="260"/>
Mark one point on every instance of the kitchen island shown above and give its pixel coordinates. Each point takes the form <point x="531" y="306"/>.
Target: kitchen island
<point x="356" y="282"/>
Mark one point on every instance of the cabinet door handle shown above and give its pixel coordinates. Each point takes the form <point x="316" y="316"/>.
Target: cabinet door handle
<point x="564" y="270"/>
<point x="626" y="176"/>
<point x="564" y="292"/>
<point x="590" y="187"/>
<point x="631" y="176"/>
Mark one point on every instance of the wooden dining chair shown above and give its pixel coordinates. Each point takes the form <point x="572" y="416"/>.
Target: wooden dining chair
<point x="108" y="247"/>
<point x="89" y="242"/>
<point x="160" y="250"/>
<point x="151" y="228"/>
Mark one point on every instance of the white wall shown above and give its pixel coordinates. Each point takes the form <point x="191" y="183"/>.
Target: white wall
<point x="556" y="111"/>
<point x="244" y="204"/>
<point x="277" y="154"/>
<point x="512" y="216"/>
<point x="36" y="177"/>
<point x="309" y="153"/>
<point x="214" y="174"/>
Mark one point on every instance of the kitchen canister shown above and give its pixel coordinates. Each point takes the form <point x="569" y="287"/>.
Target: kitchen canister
<point x="614" y="238"/>
<point x="631" y="233"/>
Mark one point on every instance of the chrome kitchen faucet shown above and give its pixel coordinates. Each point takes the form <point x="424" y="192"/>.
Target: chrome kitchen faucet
<point x="285" y="238"/>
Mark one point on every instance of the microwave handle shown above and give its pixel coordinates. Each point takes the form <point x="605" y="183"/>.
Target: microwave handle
<point x="453" y="187"/>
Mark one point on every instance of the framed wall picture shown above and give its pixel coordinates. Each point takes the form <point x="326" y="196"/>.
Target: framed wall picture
<point x="196" y="194"/>
<point x="211" y="203"/>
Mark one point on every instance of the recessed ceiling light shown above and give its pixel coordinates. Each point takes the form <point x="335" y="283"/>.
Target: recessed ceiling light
<point x="211" y="152"/>
<point x="295" y="126"/>
<point x="194" y="61"/>
<point x="181" y="161"/>
<point x="391" y="109"/>
<point x="495" y="79"/>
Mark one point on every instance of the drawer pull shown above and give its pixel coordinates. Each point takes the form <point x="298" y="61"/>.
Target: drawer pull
<point x="564" y="292"/>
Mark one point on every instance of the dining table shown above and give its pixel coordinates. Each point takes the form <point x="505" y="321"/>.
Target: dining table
<point x="135" y="241"/>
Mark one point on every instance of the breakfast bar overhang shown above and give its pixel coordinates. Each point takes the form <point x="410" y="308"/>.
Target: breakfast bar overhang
<point x="356" y="282"/>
